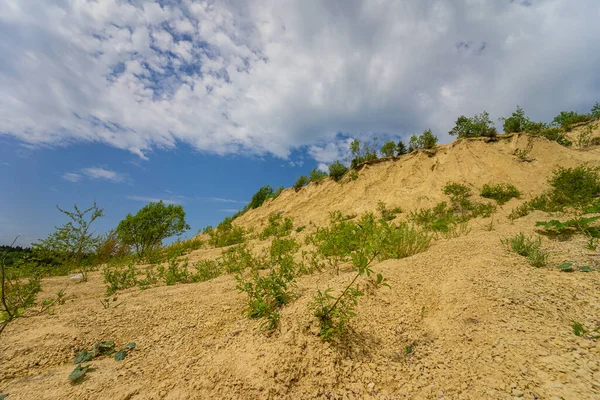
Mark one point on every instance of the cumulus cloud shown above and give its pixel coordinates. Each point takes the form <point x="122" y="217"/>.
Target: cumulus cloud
<point x="269" y="76"/>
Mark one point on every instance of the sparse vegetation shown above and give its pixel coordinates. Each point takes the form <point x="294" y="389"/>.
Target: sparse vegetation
<point x="444" y="216"/>
<point x="571" y="188"/>
<point x="501" y="192"/>
<point x="277" y="226"/>
<point x="317" y="176"/>
<point x="566" y="229"/>
<point x="301" y="182"/>
<point x="362" y="152"/>
<point x="119" y="278"/>
<point x="388" y="149"/>
<point x="528" y="247"/>
<point x="476" y="126"/>
<point x="401" y="148"/>
<point x="337" y="170"/>
<point x="227" y="234"/>
<point x="387" y="214"/>
<point x="426" y="140"/>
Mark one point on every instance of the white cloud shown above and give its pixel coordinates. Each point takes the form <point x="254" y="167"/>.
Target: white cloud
<point x="5" y="164"/>
<point x="72" y="177"/>
<point x="102" y="173"/>
<point x="150" y="199"/>
<point x="229" y="210"/>
<point x="267" y="77"/>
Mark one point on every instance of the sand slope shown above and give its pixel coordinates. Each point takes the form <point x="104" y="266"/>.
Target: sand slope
<point x="481" y="321"/>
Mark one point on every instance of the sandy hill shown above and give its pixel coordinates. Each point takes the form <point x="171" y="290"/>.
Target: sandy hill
<point x="466" y="319"/>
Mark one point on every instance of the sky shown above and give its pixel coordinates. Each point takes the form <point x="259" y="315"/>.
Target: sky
<point x="200" y="103"/>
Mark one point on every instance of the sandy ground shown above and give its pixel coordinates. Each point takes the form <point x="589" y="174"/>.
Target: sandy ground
<point x="481" y="322"/>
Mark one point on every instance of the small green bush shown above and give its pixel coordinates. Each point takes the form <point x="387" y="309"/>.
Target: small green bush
<point x="518" y="122"/>
<point x="337" y="170"/>
<point x="266" y="294"/>
<point x="206" y="270"/>
<point x="362" y="153"/>
<point x="426" y="140"/>
<point x="317" y="176"/>
<point x="443" y="217"/>
<point x="119" y="278"/>
<point x="259" y="197"/>
<point x="501" y="192"/>
<point x="239" y="258"/>
<point x="388" y="149"/>
<point x="301" y="182"/>
<point x="175" y="272"/>
<point x="575" y="187"/>
<point x="527" y="247"/>
<point x="334" y="316"/>
<point x="387" y="214"/>
<point x="227" y="234"/>
<point x="478" y="125"/>
<point x="596" y="111"/>
<point x="277" y="226"/>
<point x="570" y="227"/>
<point x="567" y="118"/>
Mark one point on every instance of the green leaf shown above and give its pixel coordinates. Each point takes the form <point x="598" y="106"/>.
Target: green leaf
<point x="78" y="372"/>
<point x="379" y="279"/>
<point x="104" y="348"/>
<point x="83" y="356"/>
<point x="585" y="268"/>
<point x="565" y="267"/>
<point x="130" y="346"/>
<point x="120" y="356"/>
<point x="3" y="396"/>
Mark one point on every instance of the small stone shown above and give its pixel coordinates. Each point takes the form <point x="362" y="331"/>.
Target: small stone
<point x="371" y="385"/>
<point x="517" y="393"/>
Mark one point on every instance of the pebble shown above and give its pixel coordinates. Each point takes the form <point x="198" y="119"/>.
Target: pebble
<point x="517" y="393"/>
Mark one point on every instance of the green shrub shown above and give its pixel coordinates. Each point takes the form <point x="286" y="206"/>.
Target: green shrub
<point x="476" y="126"/>
<point x="362" y="153"/>
<point x="301" y="182"/>
<point x="518" y="122"/>
<point x="119" y="278"/>
<point x="403" y="241"/>
<point x="444" y="216"/>
<point x="556" y="135"/>
<point x="180" y="248"/>
<point x="387" y="214"/>
<point x="571" y="187"/>
<point x="259" y="197"/>
<point x="239" y="258"/>
<point x="317" y="176"/>
<point x="277" y="226"/>
<point x="501" y="192"/>
<point x="570" y="227"/>
<point x="151" y="225"/>
<point x="17" y="292"/>
<point x="176" y="272"/>
<point x="206" y="270"/>
<point x="334" y="316"/>
<point x="527" y="247"/>
<point x="567" y="118"/>
<point x="266" y="294"/>
<point x="337" y="170"/>
<point x="426" y="140"/>
<point x="388" y="149"/>
<point x="227" y="234"/>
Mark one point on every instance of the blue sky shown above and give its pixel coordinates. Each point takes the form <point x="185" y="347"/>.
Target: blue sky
<point x="124" y="101"/>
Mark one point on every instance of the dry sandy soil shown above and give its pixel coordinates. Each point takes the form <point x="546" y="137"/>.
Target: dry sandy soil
<point x="481" y="322"/>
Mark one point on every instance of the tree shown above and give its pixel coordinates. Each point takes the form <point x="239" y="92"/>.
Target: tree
<point x="426" y="140"/>
<point x="476" y="126"/>
<point x="337" y="170"/>
<point x="259" y="197"/>
<point x="518" y="122"/>
<point x="388" y="149"/>
<point x="151" y="225"/>
<point x="400" y="148"/>
<point x="362" y="153"/>
<point x="74" y="240"/>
